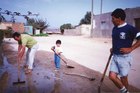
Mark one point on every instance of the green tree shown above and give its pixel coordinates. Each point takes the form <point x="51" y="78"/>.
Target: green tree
<point x="86" y="19"/>
<point x="65" y="26"/>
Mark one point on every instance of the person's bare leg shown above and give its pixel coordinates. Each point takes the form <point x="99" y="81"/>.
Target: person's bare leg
<point x="124" y="80"/>
<point x="115" y="79"/>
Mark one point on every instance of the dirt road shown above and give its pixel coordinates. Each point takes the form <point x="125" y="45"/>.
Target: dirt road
<point x="91" y="53"/>
<point x="88" y="56"/>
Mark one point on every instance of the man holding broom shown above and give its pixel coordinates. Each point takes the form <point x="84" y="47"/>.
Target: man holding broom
<point x="29" y="42"/>
<point x="123" y="36"/>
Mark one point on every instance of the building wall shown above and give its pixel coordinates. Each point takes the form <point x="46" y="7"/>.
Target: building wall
<point x="85" y="29"/>
<point x="52" y="31"/>
<point x="75" y="31"/>
<point x="79" y="30"/>
<point x="103" y="23"/>
<point x="17" y="27"/>
<point x="28" y="29"/>
<point x="4" y="26"/>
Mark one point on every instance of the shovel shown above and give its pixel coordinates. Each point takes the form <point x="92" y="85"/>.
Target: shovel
<point x="68" y="66"/>
<point x="18" y="81"/>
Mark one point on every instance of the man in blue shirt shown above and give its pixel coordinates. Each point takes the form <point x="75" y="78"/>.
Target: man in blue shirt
<point x="123" y="36"/>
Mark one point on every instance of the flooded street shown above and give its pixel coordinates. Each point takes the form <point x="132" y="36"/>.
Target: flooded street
<point x="44" y="78"/>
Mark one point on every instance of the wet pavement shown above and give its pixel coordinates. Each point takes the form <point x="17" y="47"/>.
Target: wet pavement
<point x="42" y="80"/>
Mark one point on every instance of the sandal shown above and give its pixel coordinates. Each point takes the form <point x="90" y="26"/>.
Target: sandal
<point x="28" y="71"/>
<point x="25" y="67"/>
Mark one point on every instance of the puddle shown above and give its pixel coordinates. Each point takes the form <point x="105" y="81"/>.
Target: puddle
<point x="41" y="80"/>
<point x="5" y="65"/>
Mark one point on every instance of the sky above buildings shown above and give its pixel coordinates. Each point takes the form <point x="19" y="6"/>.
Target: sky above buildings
<point x="58" y="12"/>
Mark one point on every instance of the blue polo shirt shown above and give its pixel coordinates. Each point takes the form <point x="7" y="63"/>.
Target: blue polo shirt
<point x="123" y="37"/>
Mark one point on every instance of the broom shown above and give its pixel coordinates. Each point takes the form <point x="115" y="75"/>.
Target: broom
<point x="101" y="81"/>
<point x="68" y="66"/>
<point x="18" y="81"/>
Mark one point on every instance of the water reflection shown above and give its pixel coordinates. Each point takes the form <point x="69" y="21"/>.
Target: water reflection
<point x="1" y="58"/>
<point x="57" y="82"/>
<point x="30" y="84"/>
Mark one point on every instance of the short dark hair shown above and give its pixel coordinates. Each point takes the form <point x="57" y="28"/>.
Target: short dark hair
<point x="15" y="34"/>
<point x="119" y="13"/>
<point x="58" y="42"/>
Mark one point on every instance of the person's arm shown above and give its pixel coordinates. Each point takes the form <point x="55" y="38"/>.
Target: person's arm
<point x="52" y="48"/>
<point x="136" y="45"/>
<point x="19" y="47"/>
<point x="21" y="51"/>
<point x="129" y="50"/>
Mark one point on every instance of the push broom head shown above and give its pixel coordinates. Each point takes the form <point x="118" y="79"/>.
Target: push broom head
<point x="69" y="66"/>
<point x="91" y="79"/>
<point x="18" y="82"/>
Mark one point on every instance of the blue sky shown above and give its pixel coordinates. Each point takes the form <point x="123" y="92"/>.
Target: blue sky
<point x="58" y="12"/>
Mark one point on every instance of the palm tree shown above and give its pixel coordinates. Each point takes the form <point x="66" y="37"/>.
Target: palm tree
<point x="17" y="13"/>
<point x="2" y="19"/>
<point x="29" y="13"/>
<point x="8" y="12"/>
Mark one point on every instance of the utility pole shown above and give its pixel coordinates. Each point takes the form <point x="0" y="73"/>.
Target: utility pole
<point x="91" y="33"/>
<point x="101" y="6"/>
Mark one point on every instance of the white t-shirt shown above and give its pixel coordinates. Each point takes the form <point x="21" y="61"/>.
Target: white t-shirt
<point x="58" y="49"/>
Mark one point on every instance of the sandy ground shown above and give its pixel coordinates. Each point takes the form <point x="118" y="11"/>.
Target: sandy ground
<point x="88" y="56"/>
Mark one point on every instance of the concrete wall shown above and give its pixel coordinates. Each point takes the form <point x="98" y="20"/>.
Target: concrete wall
<point x="85" y="29"/>
<point x="132" y="14"/>
<point x="103" y="23"/>
<point x="52" y="31"/>
<point x="75" y="31"/>
<point x="79" y="30"/>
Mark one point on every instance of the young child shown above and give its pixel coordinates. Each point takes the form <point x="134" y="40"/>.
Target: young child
<point x="57" y="52"/>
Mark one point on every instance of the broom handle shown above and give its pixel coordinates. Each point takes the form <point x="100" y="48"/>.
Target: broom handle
<point x="60" y="58"/>
<point x="18" y="70"/>
<point x="106" y="67"/>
